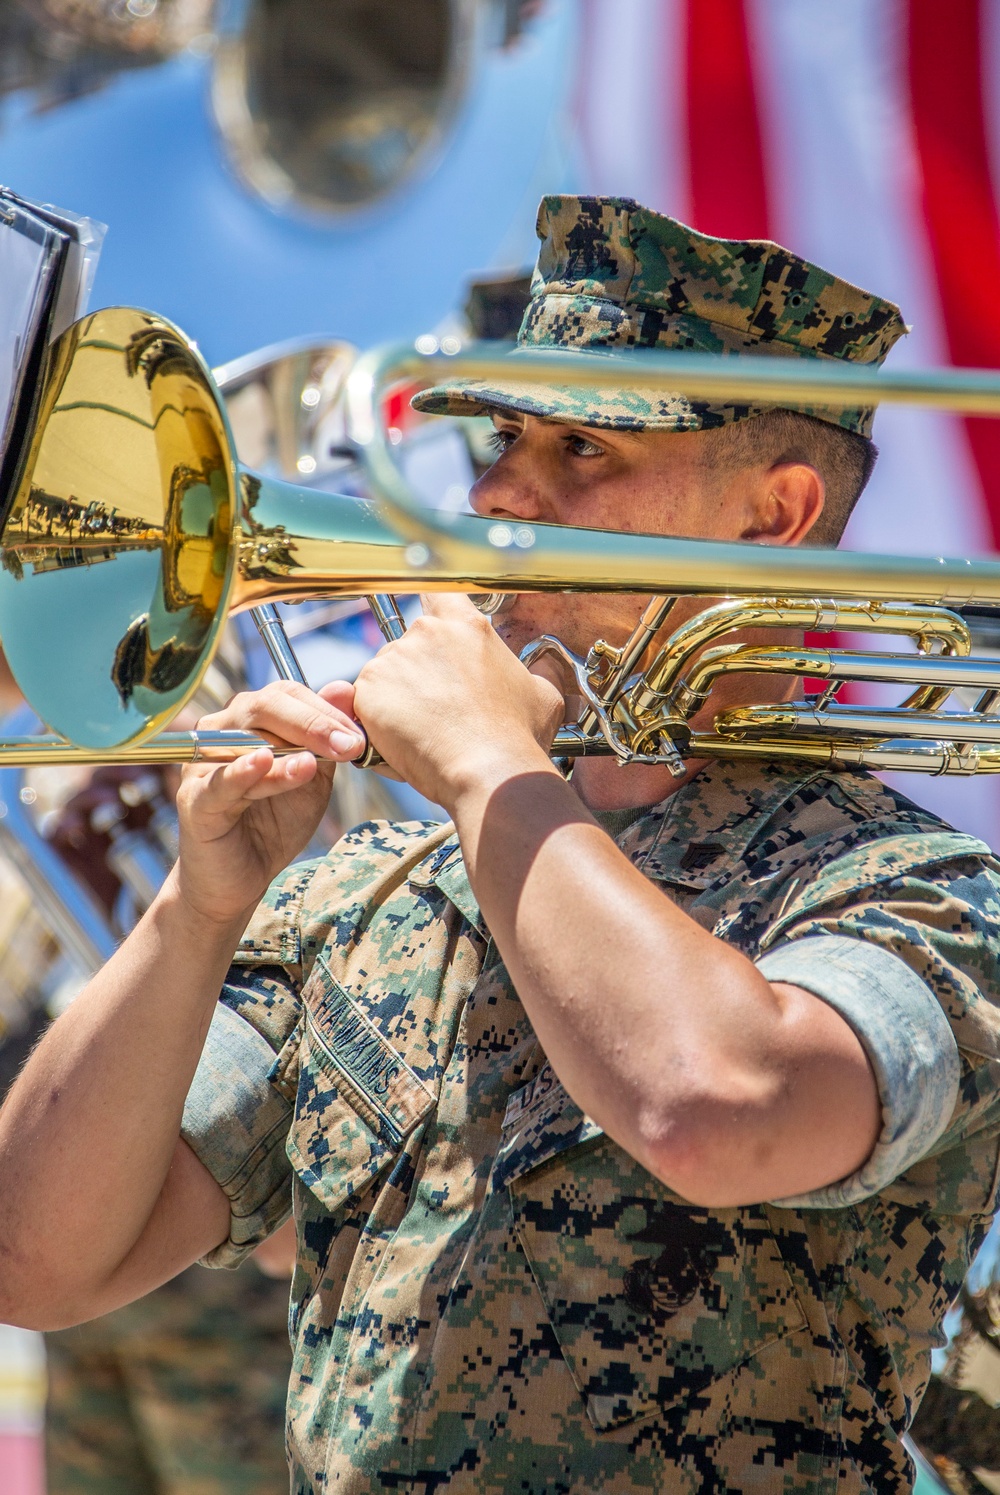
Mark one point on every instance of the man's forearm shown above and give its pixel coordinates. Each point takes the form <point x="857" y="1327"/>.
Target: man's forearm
<point x="99" y="1199"/>
<point x="669" y="1038"/>
<point x="89" y="1129"/>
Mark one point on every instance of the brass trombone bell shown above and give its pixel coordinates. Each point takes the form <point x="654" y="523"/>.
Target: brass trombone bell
<point x="131" y="533"/>
<point x="131" y="530"/>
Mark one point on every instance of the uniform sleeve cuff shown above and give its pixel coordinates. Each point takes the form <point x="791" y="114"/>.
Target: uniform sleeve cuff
<point x="236" y="1123"/>
<point x="907" y="1038"/>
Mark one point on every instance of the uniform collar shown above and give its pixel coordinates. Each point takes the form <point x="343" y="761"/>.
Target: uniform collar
<point x="444" y="869"/>
<point x="692" y="837"/>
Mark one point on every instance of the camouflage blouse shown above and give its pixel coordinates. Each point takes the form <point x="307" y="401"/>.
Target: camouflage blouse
<point x="490" y="1294"/>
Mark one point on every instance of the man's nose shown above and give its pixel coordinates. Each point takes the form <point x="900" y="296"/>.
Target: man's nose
<point x="508" y="490"/>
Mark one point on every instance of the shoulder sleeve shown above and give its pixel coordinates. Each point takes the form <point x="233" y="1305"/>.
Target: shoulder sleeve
<point x="908" y="1040"/>
<point x="931" y="902"/>
<point x="239" y="1107"/>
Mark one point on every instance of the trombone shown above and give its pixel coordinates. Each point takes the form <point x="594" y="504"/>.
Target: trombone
<point x="131" y="532"/>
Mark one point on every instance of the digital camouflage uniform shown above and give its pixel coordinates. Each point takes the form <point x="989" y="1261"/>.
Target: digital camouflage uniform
<point x="181" y="1393"/>
<point x="492" y="1295"/>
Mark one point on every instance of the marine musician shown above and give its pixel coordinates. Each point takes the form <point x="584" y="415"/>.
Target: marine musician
<point x="638" y="1129"/>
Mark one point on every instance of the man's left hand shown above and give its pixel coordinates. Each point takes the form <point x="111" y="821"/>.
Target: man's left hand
<point x="448" y="702"/>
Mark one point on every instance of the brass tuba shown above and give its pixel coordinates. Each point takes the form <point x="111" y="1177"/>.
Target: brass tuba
<point x="131" y="532"/>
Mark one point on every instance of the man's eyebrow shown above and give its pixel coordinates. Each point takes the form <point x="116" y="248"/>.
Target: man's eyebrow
<point x="604" y="431"/>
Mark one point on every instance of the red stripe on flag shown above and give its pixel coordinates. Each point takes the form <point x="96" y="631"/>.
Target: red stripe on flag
<point x="726" y="169"/>
<point x="726" y="161"/>
<point x="959" y="207"/>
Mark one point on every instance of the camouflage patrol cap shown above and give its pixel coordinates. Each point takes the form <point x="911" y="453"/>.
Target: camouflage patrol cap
<point x="613" y="276"/>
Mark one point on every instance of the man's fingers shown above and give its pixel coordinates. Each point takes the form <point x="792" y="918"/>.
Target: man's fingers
<point x="448" y="605"/>
<point x="230" y="787"/>
<point x="340" y="695"/>
<point x="226" y="787"/>
<point x="549" y="667"/>
<point x="289" y="772"/>
<point x="298" y="716"/>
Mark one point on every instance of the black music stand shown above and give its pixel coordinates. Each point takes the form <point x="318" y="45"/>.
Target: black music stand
<point x="47" y="263"/>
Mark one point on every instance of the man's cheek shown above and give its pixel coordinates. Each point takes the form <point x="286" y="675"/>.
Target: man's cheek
<point x="516" y="635"/>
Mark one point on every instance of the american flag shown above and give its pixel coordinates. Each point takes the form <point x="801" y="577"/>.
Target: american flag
<point x="865" y="135"/>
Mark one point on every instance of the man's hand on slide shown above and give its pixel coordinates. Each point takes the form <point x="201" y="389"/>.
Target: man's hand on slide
<point x="242" y="822"/>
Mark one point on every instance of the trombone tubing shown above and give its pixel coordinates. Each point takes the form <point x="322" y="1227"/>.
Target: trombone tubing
<point x="49" y="751"/>
<point x="529" y="557"/>
<point x="205" y="746"/>
<point x="816" y="613"/>
<point x="751" y="378"/>
<point x="871" y="723"/>
<point x="836" y="664"/>
<point x="894" y="755"/>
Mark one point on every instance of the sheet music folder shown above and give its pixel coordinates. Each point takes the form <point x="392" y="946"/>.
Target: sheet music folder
<point x="47" y="262"/>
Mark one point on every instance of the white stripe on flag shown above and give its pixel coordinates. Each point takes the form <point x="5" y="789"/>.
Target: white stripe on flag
<point x="846" y="193"/>
<point x="631" y="102"/>
<point x="845" y="187"/>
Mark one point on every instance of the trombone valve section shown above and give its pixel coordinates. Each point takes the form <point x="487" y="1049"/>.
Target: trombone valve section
<point x="649" y="716"/>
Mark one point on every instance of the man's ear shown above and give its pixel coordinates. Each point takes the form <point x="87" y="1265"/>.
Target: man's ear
<point x="790" y="501"/>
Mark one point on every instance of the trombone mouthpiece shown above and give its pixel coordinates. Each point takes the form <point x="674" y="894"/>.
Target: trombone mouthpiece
<point x="492" y="603"/>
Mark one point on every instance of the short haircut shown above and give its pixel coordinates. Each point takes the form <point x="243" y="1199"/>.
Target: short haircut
<point x="844" y="459"/>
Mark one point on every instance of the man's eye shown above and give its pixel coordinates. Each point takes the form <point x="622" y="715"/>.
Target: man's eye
<point x="581" y="447"/>
<point x="501" y="441"/>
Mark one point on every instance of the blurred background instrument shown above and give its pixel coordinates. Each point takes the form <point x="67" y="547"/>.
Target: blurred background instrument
<point x="274" y="169"/>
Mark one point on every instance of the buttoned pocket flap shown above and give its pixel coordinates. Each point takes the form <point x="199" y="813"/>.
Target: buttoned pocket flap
<point x="540" y="1122"/>
<point x="357" y="1100"/>
<point x="650" y="1298"/>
